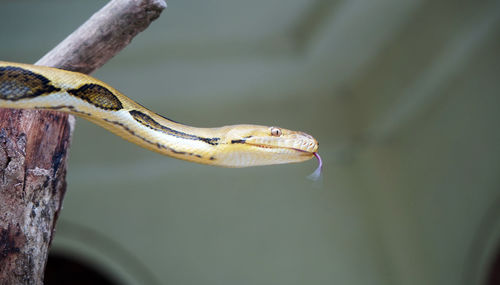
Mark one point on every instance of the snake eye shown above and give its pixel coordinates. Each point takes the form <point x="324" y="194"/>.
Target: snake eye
<point x="276" y="132"/>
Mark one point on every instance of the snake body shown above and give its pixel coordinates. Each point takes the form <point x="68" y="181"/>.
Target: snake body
<point x="39" y="87"/>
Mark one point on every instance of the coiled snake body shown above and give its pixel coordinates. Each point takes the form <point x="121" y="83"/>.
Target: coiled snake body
<point x="38" y="87"/>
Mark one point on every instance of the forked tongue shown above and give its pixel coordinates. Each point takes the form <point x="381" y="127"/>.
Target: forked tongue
<point x="316" y="175"/>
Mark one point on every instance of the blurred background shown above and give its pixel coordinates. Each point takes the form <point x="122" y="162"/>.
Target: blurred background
<point x="402" y="95"/>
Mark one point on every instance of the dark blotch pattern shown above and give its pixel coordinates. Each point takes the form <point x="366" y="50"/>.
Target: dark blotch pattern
<point x="17" y="83"/>
<point x="152" y="124"/>
<point x="98" y="96"/>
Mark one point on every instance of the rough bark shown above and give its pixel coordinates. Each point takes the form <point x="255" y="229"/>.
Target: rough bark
<point x="33" y="150"/>
<point x="34" y="144"/>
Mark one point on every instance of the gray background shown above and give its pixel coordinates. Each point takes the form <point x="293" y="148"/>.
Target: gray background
<point x="402" y="95"/>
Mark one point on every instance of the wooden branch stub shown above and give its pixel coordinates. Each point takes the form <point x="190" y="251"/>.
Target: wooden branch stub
<point x="34" y="144"/>
<point x="103" y="35"/>
<point x="33" y="158"/>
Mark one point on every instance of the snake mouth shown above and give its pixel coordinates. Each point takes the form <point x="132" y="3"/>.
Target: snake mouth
<point x="298" y="150"/>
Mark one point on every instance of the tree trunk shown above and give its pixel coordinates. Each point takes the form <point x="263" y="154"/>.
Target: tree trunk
<point x="34" y="144"/>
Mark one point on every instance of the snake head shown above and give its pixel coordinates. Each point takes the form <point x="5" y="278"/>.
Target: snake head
<point x="251" y="145"/>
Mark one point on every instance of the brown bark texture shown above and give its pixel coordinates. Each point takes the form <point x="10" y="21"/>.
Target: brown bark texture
<point x="34" y="144"/>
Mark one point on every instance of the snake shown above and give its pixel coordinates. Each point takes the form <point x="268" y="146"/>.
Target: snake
<point x="26" y="86"/>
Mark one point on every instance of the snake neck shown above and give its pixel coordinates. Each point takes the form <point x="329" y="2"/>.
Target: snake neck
<point x="159" y="134"/>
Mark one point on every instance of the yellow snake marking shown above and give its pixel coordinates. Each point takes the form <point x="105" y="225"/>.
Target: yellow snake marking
<point x="151" y="123"/>
<point x="69" y="108"/>
<point x="38" y="87"/>
<point x="157" y="144"/>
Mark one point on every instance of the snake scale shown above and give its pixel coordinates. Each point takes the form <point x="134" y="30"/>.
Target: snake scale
<point x="38" y="87"/>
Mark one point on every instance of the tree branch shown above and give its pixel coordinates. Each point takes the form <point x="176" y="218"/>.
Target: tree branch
<point x="103" y="35"/>
<point x="34" y="144"/>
